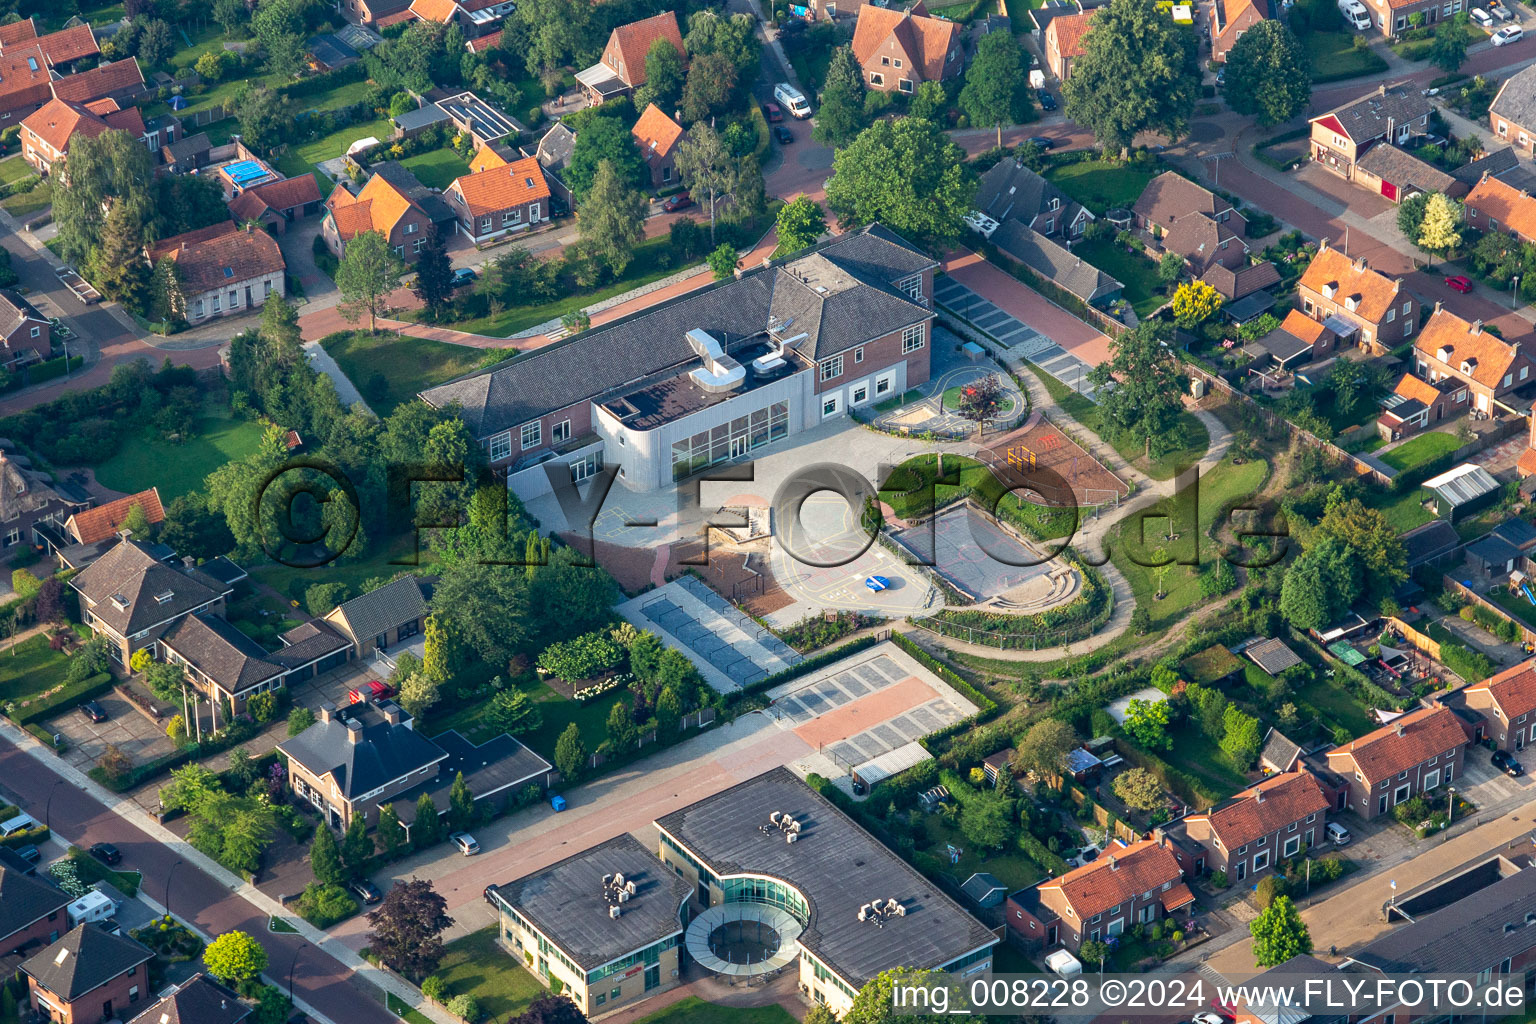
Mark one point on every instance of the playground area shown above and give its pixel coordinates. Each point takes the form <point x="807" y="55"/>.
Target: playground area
<point x="1041" y="459"/>
<point x="978" y="557"/>
<point x="934" y="406"/>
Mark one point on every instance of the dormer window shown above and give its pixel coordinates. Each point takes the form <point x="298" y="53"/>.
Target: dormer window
<point x="1467" y="365"/>
<point x="164" y="597"/>
<point x="1329" y="290"/>
<point x="1352" y="303"/>
<point x="1055" y="204"/>
<point x="120" y="602"/>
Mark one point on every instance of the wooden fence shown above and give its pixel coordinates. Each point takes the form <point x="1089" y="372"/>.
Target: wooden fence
<point x="1422" y="642"/>
<point x="1527" y="635"/>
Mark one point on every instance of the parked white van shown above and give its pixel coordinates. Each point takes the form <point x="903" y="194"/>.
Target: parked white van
<point x="20" y="823"/>
<point x="1355" y="14"/>
<point x="795" y="102"/>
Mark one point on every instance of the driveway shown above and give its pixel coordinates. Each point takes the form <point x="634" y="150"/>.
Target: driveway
<point x="125" y="727"/>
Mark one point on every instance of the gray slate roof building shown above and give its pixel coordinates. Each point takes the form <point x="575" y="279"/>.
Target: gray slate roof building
<point x="399" y="176"/>
<point x="221" y="652"/>
<point x="1273" y="656"/>
<point x="1372" y="116"/>
<point x="380" y="610"/>
<point x="1515" y="101"/>
<point x="1054" y="263"/>
<point x="1011" y="190"/>
<point x="1403" y="169"/>
<point x="1518" y="532"/>
<point x="199" y="1000"/>
<point x="1496" y="164"/>
<point x="308" y="641"/>
<point x="25" y="899"/>
<point x="382" y="753"/>
<point x="84" y="960"/>
<point x="129" y="590"/>
<point x="1280" y="753"/>
<point x="836" y="866"/>
<point x="984" y="889"/>
<point x="857" y="272"/>
<point x="1473" y="934"/>
<point x="1430" y="541"/>
<point x="565" y="902"/>
<point x="555" y="148"/>
<point x="1493" y="551"/>
<point x="423" y="116"/>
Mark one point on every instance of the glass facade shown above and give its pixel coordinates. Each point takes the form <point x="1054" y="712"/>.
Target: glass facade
<point x="730" y="440"/>
<point x="650" y="955"/>
<point x="750" y="889"/>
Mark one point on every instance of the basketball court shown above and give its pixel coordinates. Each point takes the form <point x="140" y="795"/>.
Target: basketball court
<point x="974" y="554"/>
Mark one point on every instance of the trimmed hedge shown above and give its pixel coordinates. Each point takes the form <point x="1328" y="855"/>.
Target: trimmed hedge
<point x="138" y="773"/>
<point x="984" y="705"/>
<point x="51" y="368"/>
<point x="46" y="738"/>
<point x="72" y="693"/>
<point x="30" y="837"/>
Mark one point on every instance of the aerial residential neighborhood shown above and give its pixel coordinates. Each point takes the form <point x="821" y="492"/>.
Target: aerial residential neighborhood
<point x="544" y="511"/>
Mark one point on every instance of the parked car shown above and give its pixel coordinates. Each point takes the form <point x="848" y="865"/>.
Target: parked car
<point x="1508" y="34"/>
<point x="20" y="823"/>
<point x="1047" y="101"/>
<point x="773" y="112"/>
<point x="681" y="201"/>
<point x="372" y="691"/>
<point x="1505" y="762"/>
<point x="463" y="276"/>
<point x="1337" y="834"/>
<point x="465" y="842"/>
<point x="1221" y="75"/>
<point x="1482" y="17"/>
<point x="366" y="891"/>
<point x="107" y="853"/>
<point x="94" y="711"/>
<point x="1043" y="141"/>
<point x="783" y="134"/>
<point x="486" y="895"/>
<point x="793" y="99"/>
<point x="1429" y="139"/>
<point x="1355" y="14"/>
<point x="1459" y="282"/>
<point x="29" y="853"/>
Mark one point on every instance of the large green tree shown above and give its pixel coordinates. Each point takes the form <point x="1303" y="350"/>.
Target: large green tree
<point x="325" y="857"/>
<point x="711" y="86"/>
<point x="1269" y="74"/>
<point x="800" y="223"/>
<point x="1044" y="748"/>
<point x="1138" y="72"/>
<point x="732" y="36"/>
<point x="110" y="172"/>
<point x="840" y="117"/>
<point x="367" y="273"/>
<point x="553" y="32"/>
<point x="278" y="26"/>
<point x="612" y="218"/>
<point x="1146" y="399"/>
<point x="707" y="168"/>
<point x="907" y="175"/>
<point x="1320" y="584"/>
<point x="876" y="1001"/>
<point x="235" y="956"/>
<point x="1279" y="934"/>
<point x="996" y="88"/>
<point x="1449" y="50"/>
<point x="664" y="77"/>
<point x="408" y="928"/>
<point x="434" y="274"/>
<point x="603" y="138"/>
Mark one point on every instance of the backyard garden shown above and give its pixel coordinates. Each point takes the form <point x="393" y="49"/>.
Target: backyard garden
<point x="390" y="369"/>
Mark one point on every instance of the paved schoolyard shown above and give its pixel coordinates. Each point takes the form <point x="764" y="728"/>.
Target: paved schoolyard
<point x="729" y="649"/>
<point x="974" y="554"/>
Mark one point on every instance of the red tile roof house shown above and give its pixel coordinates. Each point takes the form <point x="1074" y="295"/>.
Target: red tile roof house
<point x="1451" y="348"/>
<point x="62" y="48"/>
<point x="120" y="80"/>
<point x="25" y="334"/>
<point x="622" y="66"/>
<point x="278" y="204"/>
<point x="1512" y="114"/>
<point x="25" y="81"/>
<point x="48" y="131"/>
<point x="1127" y="886"/>
<point x="1495" y="205"/>
<point x="370" y="13"/>
<point x="31" y="911"/>
<point x="232" y="272"/>
<point x="1364" y="307"/>
<point x="92" y="525"/>
<point x="1388" y="116"/>
<point x="394" y="204"/>
<point x="474" y="17"/>
<point x="1231" y="18"/>
<point x="657" y="136"/>
<point x="1414" y="754"/>
<point x="1507" y="704"/>
<point x="899" y="49"/>
<point x="1192" y="221"/>
<point x="87" y="976"/>
<point x="500" y="201"/>
<point x="1415" y="403"/>
<point x="1064" y="41"/>
<point x="1274" y="820"/>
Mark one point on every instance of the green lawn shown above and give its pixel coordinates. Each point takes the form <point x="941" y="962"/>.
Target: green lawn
<point x="1334" y="56"/>
<point x="1419" y="450"/>
<point x="1101" y="185"/>
<point x="206" y="40"/>
<point x="591" y="717"/>
<point x="146" y="462"/>
<point x="302" y="159"/>
<point x="14" y="168"/>
<point x="436" y="168"/>
<point x="25" y="204"/>
<point x="1195" y="753"/>
<point x="1011" y="867"/>
<point x="476" y="965"/>
<point x="29" y="667"/>
<point x="1135" y="270"/>
<point x="1018" y="14"/>
<point x="1163" y="467"/>
<point x="1404" y="511"/>
<point x="389" y="369"/>
<point x="1334" y="706"/>
<point x="693" y="1010"/>
<point x="912" y="492"/>
<point x="1515" y="604"/>
<point x="334" y="99"/>
<point x="400" y="1008"/>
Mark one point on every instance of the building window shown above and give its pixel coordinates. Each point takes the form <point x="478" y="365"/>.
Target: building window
<point x="560" y="432"/>
<point x="36" y="331"/>
<point x="882" y="385"/>
<point x="13" y="538"/>
<point x="830" y="405"/>
<point x="858" y="356"/>
<point x="532" y="434"/>
<point x="912" y="338"/>
<point x="410" y="229"/>
<point x="216" y="307"/>
<point x="832" y="368"/>
<point x="898" y="62"/>
<point x="485" y="223"/>
<point x="912" y="286"/>
<point x="860" y="394"/>
<point x="266" y="289"/>
<point x="417" y="245"/>
<point x="876" y="78"/>
<point x="906" y="85"/>
<point x="501" y="446"/>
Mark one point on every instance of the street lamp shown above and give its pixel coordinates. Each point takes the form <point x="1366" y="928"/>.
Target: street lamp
<point x="1514" y="292"/>
<point x="168" y="876"/>
<point x="1450" y="807"/>
<point x="48" y="805"/>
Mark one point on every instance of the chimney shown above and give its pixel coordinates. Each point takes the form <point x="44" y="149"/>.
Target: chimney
<point x="327" y="711"/>
<point x="1114" y="865"/>
<point x="1381" y="90"/>
<point x="1400" y="729"/>
<point x="1359" y="262"/>
<point x="247" y="227"/>
<point x="391" y="712"/>
<point x="1258" y="796"/>
<point x="1322" y="244"/>
<point x="1477" y="327"/>
<point x="354" y="730"/>
<point x="1437" y="305"/>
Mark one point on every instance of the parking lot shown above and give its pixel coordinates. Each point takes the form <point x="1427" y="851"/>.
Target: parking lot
<point x="126" y="727"/>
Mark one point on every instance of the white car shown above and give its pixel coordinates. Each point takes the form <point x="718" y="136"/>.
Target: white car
<point x="1337" y="834"/>
<point x="1355" y="14"/>
<point x="1482" y="17"/>
<point x="1207" y="1017"/>
<point x="1508" y="34"/>
<point x="465" y="842"/>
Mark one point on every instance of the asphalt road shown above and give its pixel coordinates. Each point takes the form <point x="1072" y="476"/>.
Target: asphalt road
<point x="319" y="980"/>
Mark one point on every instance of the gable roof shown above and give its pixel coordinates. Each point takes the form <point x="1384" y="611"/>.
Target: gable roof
<point x="284" y="194"/>
<point x="199" y="1000"/>
<point x="1405" y="742"/>
<point x="1513" y="689"/>
<point x="1400" y="167"/>
<point x="25" y="899"/>
<point x="1474" y="933"/>
<point x="655" y="133"/>
<point x="221" y="652"/>
<point x="1272" y="655"/>
<point x="17" y="31"/>
<point x="1375" y="114"/>
<point x="440" y="11"/>
<point x="1227" y="12"/>
<point x="1280" y="752"/>
<point x="1490" y="358"/>
<point x="1417" y="389"/>
<point x="226" y="260"/>
<point x="368" y="615"/>
<point x="1069" y="30"/>
<point x="1199" y="239"/>
<point x="1052" y="261"/>
<point x="83" y="961"/>
<point x="1237" y="284"/>
<point x="1516" y="98"/>
<point x="1010" y="189"/>
<point x="16" y="312"/>
<point x="556" y="147"/>
<point x="1429" y="541"/>
<point x="381" y="752"/>
<point x="1497" y="163"/>
<point x="57" y="122"/>
<point x="130" y="591"/>
<point x="487" y="157"/>
<point x="100" y="81"/>
<point x="68" y="44"/>
<point x="1513" y="208"/>
<point x="635" y="40"/>
<point x="389" y="193"/>
<point x="24" y="77"/>
<point x="927" y="40"/>
<point x="502" y="188"/>
<point x="1263" y="808"/>
<point x="1374" y="292"/>
<point x="860" y="303"/>
<point x="93" y="524"/>
<point x="1116" y="877"/>
<point x="486" y="42"/>
<point x="1171" y="196"/>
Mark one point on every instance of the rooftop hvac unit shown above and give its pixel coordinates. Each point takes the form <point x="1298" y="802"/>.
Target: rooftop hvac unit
<point x="794" y="826"/>
<point x="774" y="816"/>
<point x="614" y="912"/>
<point x="618" y="879"/>
<point x="901" y="911"/>
<point x="629" y="887"/>
<point x="891" y="906"/>
<point x="790" y="837"/>
<point x="864" y="912"/>
<point x="623" y="895"/>
<point x="607" y="881"/>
